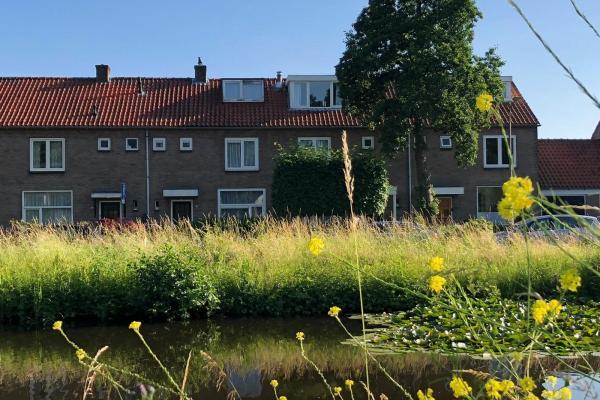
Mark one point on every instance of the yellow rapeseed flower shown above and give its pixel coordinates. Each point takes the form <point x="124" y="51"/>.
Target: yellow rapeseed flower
<point x="135" y="325"/>
<point x="300" y="336"/>
<point x="57" y="325"/>
<point x="531" y="396"/>
<point x="274" y="383"/>
<point x="460" y="388"/>
<point x="316" y="245"/>
<point x="337" y="390"/>
<point x="552" y="380"/>
<point x="80" y="354"/>
<point x="282" y="398"/>
<point x="484" y="102"/>
<point x="554" y="307"/>
<point x="539" y="310"/>
<point x="561" y="394"/>
<point x="493" y="388"/>
<point x="349" y="383"/>
<point x="436" y="264"/>
<point x="423" y="396"/>
<point x="334" y="311"/>
<point x="527" y="384"/>
<point x="570" y="280"/>
<point x="436" y="283"/>
<point x="517" y="197"/>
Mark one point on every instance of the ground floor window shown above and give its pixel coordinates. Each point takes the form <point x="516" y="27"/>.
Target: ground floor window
<point x="444" y="208"/>
<point x="487" y="201"/>
<point x="109" y="209"/>
<point x="182" y="210"/>
<point x="50" y="207"/>
<point x="241" y="203"/>
<point x="572" y="200"/>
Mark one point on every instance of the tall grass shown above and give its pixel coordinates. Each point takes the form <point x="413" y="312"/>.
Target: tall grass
<point x="51" y="273"/>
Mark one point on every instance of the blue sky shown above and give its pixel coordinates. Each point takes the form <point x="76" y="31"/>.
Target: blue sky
<point x="258" y="37"/>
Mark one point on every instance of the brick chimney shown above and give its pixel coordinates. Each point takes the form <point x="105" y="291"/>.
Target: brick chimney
<point x="200" y="72"/>
<point x="102" y="73"/>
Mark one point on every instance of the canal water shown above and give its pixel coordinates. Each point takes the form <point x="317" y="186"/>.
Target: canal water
<point x="245" y="354"/>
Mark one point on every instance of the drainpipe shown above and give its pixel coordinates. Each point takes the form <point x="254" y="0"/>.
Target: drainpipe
<point x="410" y="205"/>
<point x="147" y="176"/>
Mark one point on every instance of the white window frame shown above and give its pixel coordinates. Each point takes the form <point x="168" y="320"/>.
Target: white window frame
<point x="314" y="141"/>
<point x="156" y="141"/>
<point x="221" y="206"/>
<point x="100" y="140"/>
<point x="364" y="139"/>
<point x="293" y="89"/>
<point x="47" y="168"/>
<point x="243" y="99"/>
<point x="242" y="142"/>
<point x="500" y="140"/>
<point x="110" y="201"/>
<point x="491" y="216"/>
<point x="24" y="208"/>
<point x="184" y="140"/>
<point x="137" y="141"/>
<point x="191" y="201"/>
<point x="444" y="146"/>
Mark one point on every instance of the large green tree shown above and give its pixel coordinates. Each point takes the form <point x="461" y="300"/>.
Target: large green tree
<point x="409" y="67"/>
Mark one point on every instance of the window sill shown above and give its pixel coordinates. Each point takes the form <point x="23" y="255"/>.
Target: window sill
<point x="497" y="166"/>
<point x="251" y="169"/>
<point x="37" y="170"/>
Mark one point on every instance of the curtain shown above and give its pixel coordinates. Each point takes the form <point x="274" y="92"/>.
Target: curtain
<point x="47" y="199"/>
<point x="39" y="154"/>
<point x="56" y="215"/>
<point x="249" y="153"/>
<point x="56" y="154"/>
<point x="299" y="98"/>
<point x="234" y="155"/>
<point x="242" y="197"/>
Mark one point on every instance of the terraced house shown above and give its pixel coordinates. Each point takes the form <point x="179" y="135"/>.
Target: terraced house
<point x="79" y="149"/>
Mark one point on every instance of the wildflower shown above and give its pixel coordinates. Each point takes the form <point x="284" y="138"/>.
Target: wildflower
<point x="527" y="384"/>
<point x="349" y="383"/>
<point x="554" y="307"/>
<point x="507" y="385"/>
<point x="334" y="311"/>
<point x="337" y="390"/>
<point x="531" y="396"/>
<point x="282" y="398"/>
<point x="539" y="310"/>
<point x="517" y="197"/>
<point x="274" y="383"/>
<point x="423" y="396"/>
<point x="436" y="283"/>
<point x="135" y="325"/>
<point x="565" y="394"/>
<point x="493" y="389"/>
<point x="460" y="387"/>
<point x="552" y="380"/>
<point x="316" y="245"/>
<point x="570" y="280"/>
<point x="57" y="325"/>
<point x="80" y="354"/>
<point x="436" y="264"/>
<point x="484" y="102"/>
<point x="300" y="336"/>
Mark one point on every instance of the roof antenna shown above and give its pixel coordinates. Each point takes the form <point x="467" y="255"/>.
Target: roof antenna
<point x="141" y="87"/>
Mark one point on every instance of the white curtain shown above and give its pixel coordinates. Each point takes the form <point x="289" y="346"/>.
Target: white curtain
<point x="234" y="155"/>
<point x="249" y="153"/>
<point x="56" y="155"/>
<point x="39" y="154"/>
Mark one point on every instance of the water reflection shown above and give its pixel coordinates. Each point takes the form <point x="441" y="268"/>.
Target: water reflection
<point x="40" y="365"/>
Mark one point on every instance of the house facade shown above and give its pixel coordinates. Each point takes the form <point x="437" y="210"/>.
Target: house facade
<point x="78" y="149"/>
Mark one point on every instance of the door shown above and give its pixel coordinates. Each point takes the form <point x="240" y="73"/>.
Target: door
<point x="181" y="209"/>
<point x="445" y="208"/>
<point x="109" y="209"/>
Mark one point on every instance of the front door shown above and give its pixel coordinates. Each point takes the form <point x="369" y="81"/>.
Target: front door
<point x="109" y="210"/>
<point x="445" y="208"/>
<point x="181" y="209"/>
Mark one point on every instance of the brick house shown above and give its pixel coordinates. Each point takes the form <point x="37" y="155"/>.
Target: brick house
<point x="190" y="147"/>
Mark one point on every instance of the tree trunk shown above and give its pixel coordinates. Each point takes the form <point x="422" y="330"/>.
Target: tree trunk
<point x="426" y="200"/>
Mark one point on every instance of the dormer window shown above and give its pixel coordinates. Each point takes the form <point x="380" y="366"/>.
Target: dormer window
<point x="315" y="91"/>
<point x="243" y="90"/>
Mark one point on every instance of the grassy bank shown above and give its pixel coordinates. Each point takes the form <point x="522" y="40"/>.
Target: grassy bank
<point x="170" y="272"/>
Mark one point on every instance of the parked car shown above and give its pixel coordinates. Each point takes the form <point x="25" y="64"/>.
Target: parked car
<point x="553" y="226"/>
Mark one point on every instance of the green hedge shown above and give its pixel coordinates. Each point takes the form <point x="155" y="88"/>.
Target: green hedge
<point x="311" y="182"/>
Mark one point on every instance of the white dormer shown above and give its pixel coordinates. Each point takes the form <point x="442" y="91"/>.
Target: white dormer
<point x="243" y="90"/>
<point x="507" y="80"/>
<point x="313" y="92"/>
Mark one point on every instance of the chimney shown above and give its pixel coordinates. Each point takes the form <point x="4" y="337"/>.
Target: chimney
<point x="507" y="80"/>
<point x="278" y="80"/>
<point x="200" y="72"/>
<point x="102" y="73"/>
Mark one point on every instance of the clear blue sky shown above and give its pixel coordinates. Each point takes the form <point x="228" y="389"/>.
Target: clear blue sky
<point x="258" y="37"/>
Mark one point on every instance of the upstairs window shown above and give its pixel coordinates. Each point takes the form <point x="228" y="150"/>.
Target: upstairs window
<point x="368" y="142"/>
<point x="495" y="151"/>
<point x="445" y="142"/>
<point x="47" y="155"/>
<point x="185" y="144"/>
<point x="243" y="90"/>
<point x="314" y="94"/>
<point x="103" y="144"/>
<point x="131" y="144"/>
<point x="159" y="144"/>
<point x="315" y="142"/>
<point x="241" y="154"/>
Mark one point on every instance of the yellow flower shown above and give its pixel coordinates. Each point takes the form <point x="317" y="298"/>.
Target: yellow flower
<point x="552" y="380"/>
<point x="554" y="307"/>
<point x="565" y="394"/>
<point x="459" y="387"/>
<point x="135" y="325"/>
<point x="80" y="354"/>
<point x="507" y="385"/>
<point x="436" y="283"/>
<point x="337" y="390"/>
<point x="436" y="264"/>
<point x="493" y="388"/>
<point x="282" y="398"/>
<point x="316" y="245"/>
<point x="484" y="102"/>
<point x="531" y="396"/>
<point x="527" y="384"/>
<point x="349" y="383"/>
<point x="423" y="396"/>
<point x="274" y="383"/>
<point x="570" y="280"/>
<point x="517" y="197"/>
<point x="300" y="336"/>
<point x="57" y="325"/>
<point x="539" y="310"/>
<point x="334" y="311"/>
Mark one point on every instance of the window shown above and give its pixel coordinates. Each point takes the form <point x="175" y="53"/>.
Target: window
<point x="159" y="144"/>
<point x="49" y="207"/>
<point x="445" y="142"/>
<point x="131" y="144"/>
<point x="487" y="201"/>
<point x="495" y="151"/>
<point x="47" y="155"/>
<point x="182" y="210"/>
<point x="314" y="94"/>
<point x="241" y="203"/>
<point x="110" y="209"/>
<point x="185" y="144"/>
<point x="315" y="142"/>
<point x="368" y="142"/>
<point x="243" y="90"/>
<point x="241" y="154"/>
<point x="103" y="144"/>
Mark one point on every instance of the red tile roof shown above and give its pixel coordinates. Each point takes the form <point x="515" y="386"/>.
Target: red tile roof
<point x="167" y="102"/>
<point x="569" y="164"/>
